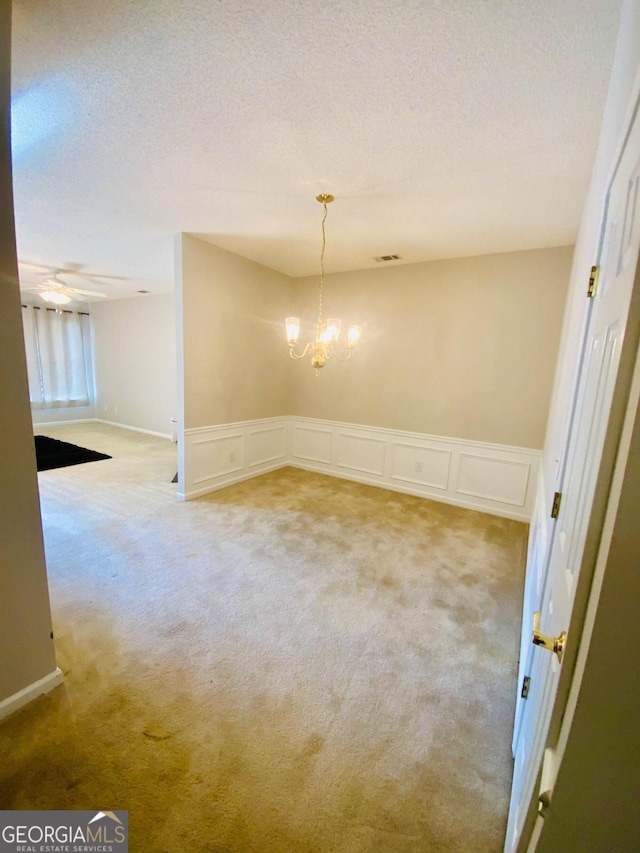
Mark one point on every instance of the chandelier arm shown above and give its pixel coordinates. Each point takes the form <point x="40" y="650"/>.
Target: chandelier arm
<point x="346" y="357"/>
<point x="304" y="352"/>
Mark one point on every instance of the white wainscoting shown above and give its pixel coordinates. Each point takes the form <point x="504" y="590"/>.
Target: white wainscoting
<point x="488" y="477"/>
<point x="217" y="456"/>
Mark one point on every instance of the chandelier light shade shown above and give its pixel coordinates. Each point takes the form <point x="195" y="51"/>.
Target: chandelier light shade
<point x="324" y="346"/>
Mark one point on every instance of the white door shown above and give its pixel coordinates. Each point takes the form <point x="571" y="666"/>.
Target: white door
<point x="582" y="454"/>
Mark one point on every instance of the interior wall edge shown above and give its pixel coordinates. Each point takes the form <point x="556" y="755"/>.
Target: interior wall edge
<point x="26" y="643"/>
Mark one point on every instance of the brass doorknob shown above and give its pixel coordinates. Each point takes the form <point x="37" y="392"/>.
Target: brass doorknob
<point x="553" y="644"/>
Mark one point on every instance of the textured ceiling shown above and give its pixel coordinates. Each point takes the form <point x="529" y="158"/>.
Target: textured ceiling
<point x="444" y="128"/>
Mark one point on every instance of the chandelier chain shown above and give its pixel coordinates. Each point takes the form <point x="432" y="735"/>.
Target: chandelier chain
<point x="324" y="243"/>
<point x="324" y="344"/>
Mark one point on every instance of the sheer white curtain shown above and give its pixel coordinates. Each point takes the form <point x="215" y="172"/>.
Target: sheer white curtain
<point x="58" y="347"/>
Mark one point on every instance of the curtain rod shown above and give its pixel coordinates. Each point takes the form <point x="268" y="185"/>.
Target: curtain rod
<point x="64" y="310"/>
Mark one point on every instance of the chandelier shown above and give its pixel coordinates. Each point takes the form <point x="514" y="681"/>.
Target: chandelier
<point x="324" y="346"/>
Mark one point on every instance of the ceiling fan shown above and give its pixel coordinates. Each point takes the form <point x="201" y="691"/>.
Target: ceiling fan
<point x="53" y="289"/>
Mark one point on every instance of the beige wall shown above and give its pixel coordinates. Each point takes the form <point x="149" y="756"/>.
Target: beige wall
<point x="463" y="348"/>
<point x="135" y="361"/>
<point x="235" y="365"/>
<point x="26" y="647"/>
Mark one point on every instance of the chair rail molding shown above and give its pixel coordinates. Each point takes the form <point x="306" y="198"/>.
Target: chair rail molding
<point x="493" y="478"/>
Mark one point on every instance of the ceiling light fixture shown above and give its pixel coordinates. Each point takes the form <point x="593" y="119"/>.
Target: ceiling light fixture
<point x="323" y="347"/>
<point x="57" y="297"/>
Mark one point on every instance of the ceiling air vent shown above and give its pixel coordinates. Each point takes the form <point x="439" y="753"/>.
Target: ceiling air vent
<point x="384" y="258"/>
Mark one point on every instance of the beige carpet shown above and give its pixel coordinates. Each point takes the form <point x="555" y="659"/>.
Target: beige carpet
<point x="293" y="664"/>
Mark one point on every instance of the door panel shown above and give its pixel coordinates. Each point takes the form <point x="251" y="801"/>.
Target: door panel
<point x="536" y="555"/>
<point x="581" y="456"/>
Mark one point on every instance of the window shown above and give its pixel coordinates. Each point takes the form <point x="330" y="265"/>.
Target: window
<point x="58" y="347"/>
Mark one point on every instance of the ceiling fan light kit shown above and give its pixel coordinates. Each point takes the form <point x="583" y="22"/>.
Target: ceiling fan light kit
<point x="56" y="297"/>
<point x="323" y="347"/>
<point x="57" y="292"/>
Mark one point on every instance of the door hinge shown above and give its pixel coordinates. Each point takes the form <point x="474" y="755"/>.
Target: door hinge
<point x="525" y="687"/>
<point x="555" y="509"/>
<point x="544" y="804"/>
<point x="593" y="282"/>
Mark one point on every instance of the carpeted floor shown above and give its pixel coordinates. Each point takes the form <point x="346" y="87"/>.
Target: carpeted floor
<point x="293" y="664"/>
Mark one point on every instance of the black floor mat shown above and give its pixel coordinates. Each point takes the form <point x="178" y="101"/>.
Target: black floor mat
<point x="51" y="453"/>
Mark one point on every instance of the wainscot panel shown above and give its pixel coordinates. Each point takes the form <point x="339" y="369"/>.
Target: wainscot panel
<point x="312" y="444"/>
<point x="361" y="452"/>
<point x="217" y="456"/>
<point x="486" y="477"/>
<point x="421" y="465"/>
<point x="266" y="444"/>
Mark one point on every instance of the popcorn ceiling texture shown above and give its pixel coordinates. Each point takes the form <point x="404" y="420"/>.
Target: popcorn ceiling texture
<point x="296" y="664"/>
<point x="444" y="129"/>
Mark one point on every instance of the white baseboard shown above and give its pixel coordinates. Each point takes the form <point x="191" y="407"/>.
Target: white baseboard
<point x="492" y="478"/>
<point x="228" y="481"/>
<point x="37" y="426"/>
<point x="28" y="694"/>
<point x="103" y="421"/>
<point x="407" y="490"/>
<point x="133" y="429"/>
